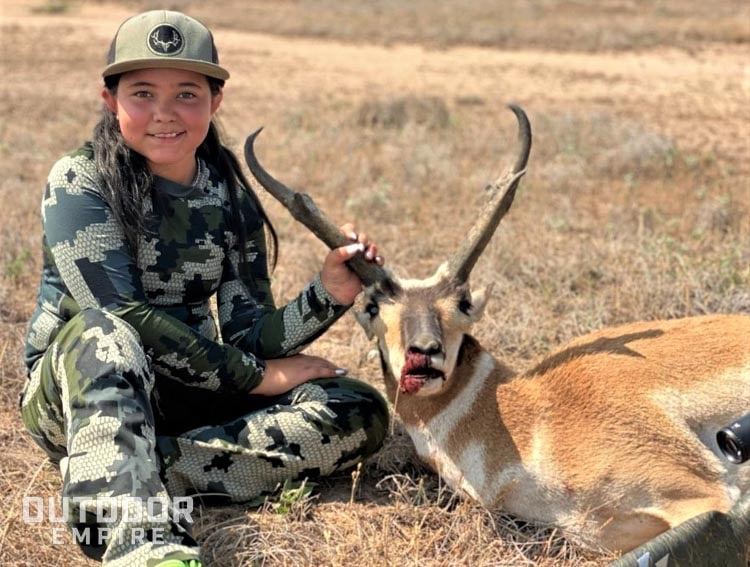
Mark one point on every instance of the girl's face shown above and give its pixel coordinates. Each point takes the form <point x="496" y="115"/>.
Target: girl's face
<point x="164" y="115"/>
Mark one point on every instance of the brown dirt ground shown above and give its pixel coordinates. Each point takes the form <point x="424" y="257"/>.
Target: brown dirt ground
<point x="699" y="96"/>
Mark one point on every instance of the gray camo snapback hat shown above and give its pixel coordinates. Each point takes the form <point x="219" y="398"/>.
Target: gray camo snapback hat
<point x="163" y="39"/>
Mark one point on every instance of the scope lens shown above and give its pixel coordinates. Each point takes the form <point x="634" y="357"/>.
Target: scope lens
<point x="732" y="447"/>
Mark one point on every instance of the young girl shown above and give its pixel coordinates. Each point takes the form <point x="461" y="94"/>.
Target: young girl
<point x="131" y="386"/>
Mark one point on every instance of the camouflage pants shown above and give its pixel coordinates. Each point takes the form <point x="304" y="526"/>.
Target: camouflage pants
<point x="88" y="404"/>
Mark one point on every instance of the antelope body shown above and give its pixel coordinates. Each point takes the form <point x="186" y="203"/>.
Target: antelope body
<point x="612" y="437"/>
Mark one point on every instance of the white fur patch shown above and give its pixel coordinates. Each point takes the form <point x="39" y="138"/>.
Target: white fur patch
<point x="512" y="485"/>
<point x="538" y="461"/>
<point x="467" y="470"/>
<point x="433" y="280"/>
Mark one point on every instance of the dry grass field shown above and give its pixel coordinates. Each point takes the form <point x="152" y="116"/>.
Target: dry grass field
<point x="636" y="205"/>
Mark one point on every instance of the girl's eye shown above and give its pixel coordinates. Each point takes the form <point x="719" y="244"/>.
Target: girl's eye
<point x="142" y="94"/>
<point x="186" y="95"/>
<point x="372" y="309"/>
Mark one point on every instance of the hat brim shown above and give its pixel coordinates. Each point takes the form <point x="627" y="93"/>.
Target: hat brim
<point x="208" y="69"/>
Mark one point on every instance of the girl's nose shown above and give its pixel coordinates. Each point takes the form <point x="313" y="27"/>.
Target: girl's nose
<point x="164" y="111"/>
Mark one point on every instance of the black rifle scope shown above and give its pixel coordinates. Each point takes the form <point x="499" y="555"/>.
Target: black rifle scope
<point x="734" y="440"/>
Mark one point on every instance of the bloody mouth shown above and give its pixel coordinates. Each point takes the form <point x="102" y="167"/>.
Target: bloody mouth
<point x="416" y="372"/>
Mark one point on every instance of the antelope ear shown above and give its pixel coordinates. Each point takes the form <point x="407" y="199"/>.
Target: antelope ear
<point x="364" y="320"/>
<point x="479" y="299"/>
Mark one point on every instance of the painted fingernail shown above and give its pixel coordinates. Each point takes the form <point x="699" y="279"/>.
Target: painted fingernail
<point x="341" y="371"/>
<point x="356" y="247"/>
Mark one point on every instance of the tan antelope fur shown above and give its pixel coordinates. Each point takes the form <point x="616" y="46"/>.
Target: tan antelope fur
<point x="612" y="437"/>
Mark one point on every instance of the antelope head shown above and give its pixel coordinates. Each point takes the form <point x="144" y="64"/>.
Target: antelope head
<point x="420" y="325"/>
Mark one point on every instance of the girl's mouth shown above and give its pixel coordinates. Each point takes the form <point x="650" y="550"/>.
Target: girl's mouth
<point x="167" y="135"/>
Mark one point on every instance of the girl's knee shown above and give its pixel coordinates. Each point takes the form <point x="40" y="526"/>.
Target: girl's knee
<point x="101" y="321"/>
<point x="358" y="406"/>
<point x="99" y="356"/>
<point x="95" y="366"/>
<point x="99" y="337"/>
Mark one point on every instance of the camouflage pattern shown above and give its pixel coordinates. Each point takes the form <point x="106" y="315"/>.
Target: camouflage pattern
<point x="87" y="404"/>
<point x="711" y="538"/>
<point x="190" y="254"/>
<point x="132" y="387"/>
<point x="314" y="430"/>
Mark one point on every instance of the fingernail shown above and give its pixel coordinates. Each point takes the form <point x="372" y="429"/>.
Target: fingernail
<point x="353" y="235"/>
<point x="356" y="247"/>
<point x="368" y="255"/>
<point x="341" y="371"/>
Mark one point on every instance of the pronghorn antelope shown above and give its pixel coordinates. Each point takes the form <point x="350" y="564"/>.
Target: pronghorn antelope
<point x="611" y="437"/>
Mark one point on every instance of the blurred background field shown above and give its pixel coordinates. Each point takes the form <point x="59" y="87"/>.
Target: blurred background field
<point x="391" y="114"/>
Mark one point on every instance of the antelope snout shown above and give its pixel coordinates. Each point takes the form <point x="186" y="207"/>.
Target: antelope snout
<point x="429" y="346"/>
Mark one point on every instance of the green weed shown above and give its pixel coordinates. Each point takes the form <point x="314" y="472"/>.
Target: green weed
<point x="18" y="263"/>
<point x="53" y="7"/>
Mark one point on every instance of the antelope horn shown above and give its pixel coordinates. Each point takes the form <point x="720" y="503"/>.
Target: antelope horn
<point x="303" y="209"/>
<point x="502" y="193"/>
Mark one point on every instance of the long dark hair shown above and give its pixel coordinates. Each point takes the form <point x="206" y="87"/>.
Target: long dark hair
<point x="127" y="182"/>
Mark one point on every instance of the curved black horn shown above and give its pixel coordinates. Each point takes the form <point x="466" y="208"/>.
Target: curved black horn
<point x="502" y="193"/>
<point x="303" y="209"/>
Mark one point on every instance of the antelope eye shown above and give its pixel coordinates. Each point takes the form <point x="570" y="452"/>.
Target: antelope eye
<point x="464" y="305"/>
<point x="372" y="309"/>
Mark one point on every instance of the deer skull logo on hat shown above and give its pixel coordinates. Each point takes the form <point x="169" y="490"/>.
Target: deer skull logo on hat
<point x="165" y="40"/>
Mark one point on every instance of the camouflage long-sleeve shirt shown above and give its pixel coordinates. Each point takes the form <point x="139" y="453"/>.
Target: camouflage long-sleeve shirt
<point x="164" y="292"/>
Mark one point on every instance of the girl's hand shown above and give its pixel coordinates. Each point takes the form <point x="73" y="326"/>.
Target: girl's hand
<point x="283" y="374"/>
<point x="337" y="278"/>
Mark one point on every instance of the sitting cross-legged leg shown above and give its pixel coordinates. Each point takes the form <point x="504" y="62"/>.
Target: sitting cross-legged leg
<point x="316" y="429"/>
<point x="87" y="404"/>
